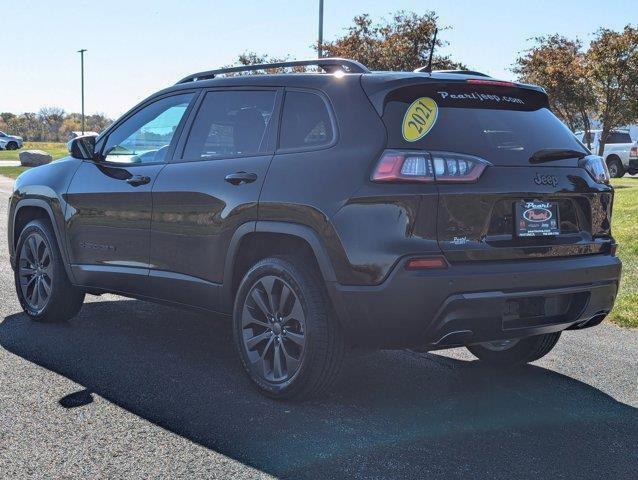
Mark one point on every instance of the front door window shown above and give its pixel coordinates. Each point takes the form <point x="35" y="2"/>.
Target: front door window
<point x="146" y="136"/>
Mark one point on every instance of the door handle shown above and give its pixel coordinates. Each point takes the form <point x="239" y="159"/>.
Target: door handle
<point x="137" y="180"/>
<point x="238" y="178"/>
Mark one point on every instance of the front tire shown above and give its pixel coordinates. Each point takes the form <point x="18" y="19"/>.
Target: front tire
<point x="12" y="146"/>
<point x="514" y="353"/>
<point x="43" y="288"/>
<point x="288" y="340"/>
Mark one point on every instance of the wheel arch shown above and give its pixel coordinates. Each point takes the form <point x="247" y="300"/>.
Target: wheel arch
<point x="29" y="209"/>
<point x="255" y="240"/>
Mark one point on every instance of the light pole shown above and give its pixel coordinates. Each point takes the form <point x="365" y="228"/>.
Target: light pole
<point x="320" y="44"/>
<point x="81" y="52"/>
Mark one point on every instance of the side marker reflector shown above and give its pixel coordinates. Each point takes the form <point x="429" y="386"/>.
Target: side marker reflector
<point x="426" y="263"/>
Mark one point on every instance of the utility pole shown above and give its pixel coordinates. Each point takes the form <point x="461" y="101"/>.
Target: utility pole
<point x="320" y="44"/>
<point x="81" y="52"/>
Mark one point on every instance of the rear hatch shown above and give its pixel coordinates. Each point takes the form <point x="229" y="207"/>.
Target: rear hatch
<point x="517" y="207"/>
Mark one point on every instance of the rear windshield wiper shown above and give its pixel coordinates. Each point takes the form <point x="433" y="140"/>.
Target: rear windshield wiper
<point x="551" y="154"/>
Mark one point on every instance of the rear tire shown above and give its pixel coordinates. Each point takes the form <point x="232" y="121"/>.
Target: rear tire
<point x="41" y="282"/>
<point x="522" y="351"/>
<point x="615" y="166"/>
<point x="289" y="341"/>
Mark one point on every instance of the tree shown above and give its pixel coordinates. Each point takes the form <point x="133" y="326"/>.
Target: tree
<point x="402" y="44"/>
<point x="69" y="125"/>
<point x="97" y="122"/>
<point x="51" y="119"/>
<point x="600" y="83"/>
<point x="28" y="126"/>
<point x="613" y="67"/>
<point x="49" y="124"/>
<point x="252" y="58"/>
<point x="560" y="66"/>
<point x="7" y="117"/>
<point x="92" y="123"/>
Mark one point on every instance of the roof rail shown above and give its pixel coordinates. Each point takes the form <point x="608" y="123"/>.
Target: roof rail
<point x="328" y="64"/>
<point x="453" y="72"/>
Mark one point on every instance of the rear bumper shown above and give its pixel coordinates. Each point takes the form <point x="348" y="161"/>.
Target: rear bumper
<point x="633" y="164"/>
<point x="478" y="302"/>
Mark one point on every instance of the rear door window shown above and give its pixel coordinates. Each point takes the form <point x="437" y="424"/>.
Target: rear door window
<point x="619" y="137"/>
<point x="231" y="123"/>
<point x="306" y="122"/>
<point x="504" y="125"/>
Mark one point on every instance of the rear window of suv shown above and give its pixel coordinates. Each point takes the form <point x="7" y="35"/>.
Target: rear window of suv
<point x="500" y="124"/>
<point x="619" y="137"/>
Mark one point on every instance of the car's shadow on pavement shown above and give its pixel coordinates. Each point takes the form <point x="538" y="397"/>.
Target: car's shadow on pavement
<point x="392" y="415"/>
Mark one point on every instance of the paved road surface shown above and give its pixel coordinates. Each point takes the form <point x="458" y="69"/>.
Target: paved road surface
<point x="134" y="390"/>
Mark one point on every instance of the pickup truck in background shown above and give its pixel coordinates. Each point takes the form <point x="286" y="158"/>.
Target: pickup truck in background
<point x="620" y="153"/>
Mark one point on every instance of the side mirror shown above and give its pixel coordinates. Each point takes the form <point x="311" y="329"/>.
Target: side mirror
<point x="83" y="147"/>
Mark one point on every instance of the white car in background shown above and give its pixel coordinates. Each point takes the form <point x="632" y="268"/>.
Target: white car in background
<point x="620" y="153"/>
<point x="10" y="142"/>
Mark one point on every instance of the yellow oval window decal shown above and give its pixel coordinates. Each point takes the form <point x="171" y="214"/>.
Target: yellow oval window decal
<point x="419" y="119"/>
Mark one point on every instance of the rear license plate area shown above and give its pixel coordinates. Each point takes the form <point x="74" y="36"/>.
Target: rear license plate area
<point x="542" y="310"/>
<point x="536" y="218"/>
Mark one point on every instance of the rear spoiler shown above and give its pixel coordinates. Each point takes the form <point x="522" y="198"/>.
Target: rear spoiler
<point x="379" y="85"/>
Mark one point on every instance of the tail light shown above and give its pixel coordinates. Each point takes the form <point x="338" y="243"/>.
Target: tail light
<point x="395" y="166"/>
<point x="596" y="167"/>
<point x="633" y="153"/>
<point x="426" y="167"/>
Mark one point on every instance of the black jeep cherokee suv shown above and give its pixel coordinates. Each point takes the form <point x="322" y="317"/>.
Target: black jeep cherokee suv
<point x="329" y="210"/>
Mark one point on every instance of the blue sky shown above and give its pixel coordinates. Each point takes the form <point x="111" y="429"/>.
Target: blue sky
<point x="137" y="47"/>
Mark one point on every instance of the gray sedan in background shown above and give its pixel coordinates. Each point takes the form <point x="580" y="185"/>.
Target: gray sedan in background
<point x="10" y="142"/>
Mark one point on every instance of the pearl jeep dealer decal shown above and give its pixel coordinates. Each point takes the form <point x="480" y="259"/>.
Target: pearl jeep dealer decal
<point x="419" y="119"/>
<point x="537" y="218"/>
<point x="537" y="213"/>
<point x="481" y="97"/>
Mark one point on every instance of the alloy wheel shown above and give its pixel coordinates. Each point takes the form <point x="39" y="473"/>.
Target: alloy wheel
<point x="34" y="270"/>
<point x="613" y="170"/>
<point x="273" y="329"/>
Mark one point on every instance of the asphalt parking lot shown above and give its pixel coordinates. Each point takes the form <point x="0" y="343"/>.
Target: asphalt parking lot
<point x="134" y="390"/>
